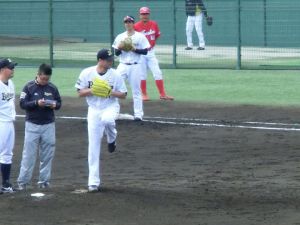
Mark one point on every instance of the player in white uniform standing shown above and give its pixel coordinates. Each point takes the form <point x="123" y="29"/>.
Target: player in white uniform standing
<point x="151" y="30"/>
<point x="130" y="67"/>
<point x="102" y="112"/>
<point x="7" y="117"/>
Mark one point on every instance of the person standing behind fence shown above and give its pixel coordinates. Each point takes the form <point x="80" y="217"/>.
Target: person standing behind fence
<point x="39" y="99"/>
<point x="130" y="67"/>
<point x="151" y="30"/>
<point x="195" y="10"/>
<point x="7" y="117"/>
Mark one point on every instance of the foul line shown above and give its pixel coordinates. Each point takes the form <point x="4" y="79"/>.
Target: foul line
<point x="206" y="123"/>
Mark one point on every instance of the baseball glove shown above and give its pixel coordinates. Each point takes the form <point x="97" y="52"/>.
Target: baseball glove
<point x="127" y="45"/>
<point x="100" y="88"/>
<point x="209" y="20"/>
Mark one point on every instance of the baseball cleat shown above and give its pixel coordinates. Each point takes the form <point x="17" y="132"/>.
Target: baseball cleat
<point x="166" y="97"/>
<point x="200" y="48"/>
<point x="137" y="119"/>
<point x="112" y="147"/>
<point x="43" y="185"/>
<point x="145" y="98"/>
<point x="21" y="187"/>
<point x="93" y="189"/>
<point x="188" y="48"/>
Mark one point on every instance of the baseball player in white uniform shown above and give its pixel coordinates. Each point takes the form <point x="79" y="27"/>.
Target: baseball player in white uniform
<point x="7" y="116"/>
<point x="102" y="112"/>
<point x="129" y="67"/>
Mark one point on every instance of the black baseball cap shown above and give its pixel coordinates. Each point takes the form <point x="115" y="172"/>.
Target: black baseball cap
<point x="105" y="54"/>
<point x="128" y="19"/>
<point x="7" y="63"/>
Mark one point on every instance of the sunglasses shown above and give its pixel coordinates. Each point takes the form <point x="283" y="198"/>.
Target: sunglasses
<point x="128" y="21"/>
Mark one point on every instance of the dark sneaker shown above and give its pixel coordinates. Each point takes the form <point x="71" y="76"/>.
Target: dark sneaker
<point x="7" y="189"/>
<point x="43" y="185"/>
<point x="112" y="147"/>
<point x="188" y="48"/>
<point x="93" y="189"/>
<point x="137" y="119"/>
<point x="200" y="48"/>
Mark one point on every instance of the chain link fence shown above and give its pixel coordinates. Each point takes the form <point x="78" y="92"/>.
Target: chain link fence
<point x="247" y="34"/>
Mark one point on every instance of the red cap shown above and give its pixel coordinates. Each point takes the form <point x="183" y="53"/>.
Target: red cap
<point x="144" y="10"/>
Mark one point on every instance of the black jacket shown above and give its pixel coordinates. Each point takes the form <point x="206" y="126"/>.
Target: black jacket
<point x="29" y="97"/>
<point x="190" y="7"/>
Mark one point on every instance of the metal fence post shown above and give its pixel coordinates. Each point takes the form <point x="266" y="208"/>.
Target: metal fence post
<point x="51" y="32"/>
<point x="174" y="64"/>
<point x="265" y="23"/>
<point x="111" y="24"/>
<point x="238" y="65"/>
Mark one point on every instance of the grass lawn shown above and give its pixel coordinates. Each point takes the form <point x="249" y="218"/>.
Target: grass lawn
<point x="257" y="87"/>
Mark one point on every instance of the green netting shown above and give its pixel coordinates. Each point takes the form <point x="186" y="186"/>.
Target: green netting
<point x="269" y="32"/>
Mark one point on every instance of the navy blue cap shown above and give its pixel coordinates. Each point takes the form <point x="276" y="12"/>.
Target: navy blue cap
<point x="105" y="54"/>
<point x="7" y="63"/>
<point x="129" y="19"/>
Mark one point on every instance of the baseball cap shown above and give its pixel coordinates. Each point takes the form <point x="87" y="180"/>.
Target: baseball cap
<point x="144" y="10"/>
<point x="105" y="54"/>
<point x="7" y="63"/>
<point x="128" y="18"/>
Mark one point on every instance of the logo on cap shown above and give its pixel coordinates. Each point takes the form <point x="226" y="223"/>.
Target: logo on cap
<point x="7" y="63"/>
<point x="128" y="19"/>
<point x="105" y="54"/>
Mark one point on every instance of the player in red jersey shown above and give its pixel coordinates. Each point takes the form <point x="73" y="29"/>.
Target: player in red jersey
<point x="151" y="30"/>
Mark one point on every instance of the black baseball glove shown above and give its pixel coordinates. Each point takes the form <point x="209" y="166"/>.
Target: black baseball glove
<point x="209" y="20"/>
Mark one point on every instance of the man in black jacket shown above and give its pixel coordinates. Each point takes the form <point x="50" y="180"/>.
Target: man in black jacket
<point x="39" y="99"/>
<point x="195" y="10"/>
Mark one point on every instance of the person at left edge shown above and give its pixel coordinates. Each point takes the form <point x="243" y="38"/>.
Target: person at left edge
<point x="7" y="117"/>
<point x="39" y="98"/>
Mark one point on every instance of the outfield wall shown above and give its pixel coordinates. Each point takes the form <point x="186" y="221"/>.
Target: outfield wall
<point x="263" y="23"/>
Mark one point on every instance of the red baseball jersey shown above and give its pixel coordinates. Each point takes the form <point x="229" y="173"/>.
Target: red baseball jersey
<point x="149" y="29"/>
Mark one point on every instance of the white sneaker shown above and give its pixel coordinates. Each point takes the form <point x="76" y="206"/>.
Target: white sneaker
<point x="93" y="188"/>
<point x="21" y="187"/>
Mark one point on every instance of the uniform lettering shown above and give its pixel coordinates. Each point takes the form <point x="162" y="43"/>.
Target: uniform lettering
<point x="90" y="83"/>
<point x="7" y="96"/>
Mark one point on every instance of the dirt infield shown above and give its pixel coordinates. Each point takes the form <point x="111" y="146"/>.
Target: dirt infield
<point x="171" y="173"/>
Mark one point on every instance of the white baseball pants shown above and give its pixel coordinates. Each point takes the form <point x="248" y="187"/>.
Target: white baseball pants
<point x="7" y="141"/>
<point x="99" y="122"/>
<point x="132" y="73"/>
<point x="150" y="61"/>
<point x="190" y="23"/>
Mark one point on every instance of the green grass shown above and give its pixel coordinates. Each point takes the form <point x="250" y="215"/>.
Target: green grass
<point x="256" y="87"/>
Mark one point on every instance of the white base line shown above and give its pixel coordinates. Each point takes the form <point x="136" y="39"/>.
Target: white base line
<point x="218" y="123"/>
